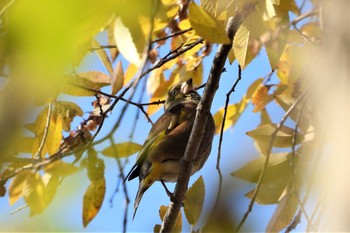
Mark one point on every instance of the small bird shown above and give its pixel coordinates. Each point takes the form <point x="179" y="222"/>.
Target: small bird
<point x="160" y="156"/>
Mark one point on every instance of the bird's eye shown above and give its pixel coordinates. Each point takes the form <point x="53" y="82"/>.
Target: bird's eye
<point x="173" y="92"/>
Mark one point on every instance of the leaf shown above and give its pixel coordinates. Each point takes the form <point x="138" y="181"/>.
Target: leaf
<point x="194" y="200"/>
<point x="25" y="144"/>
<point x="130" y="73"/>
<point x="60" y="168"/>
<point x="117" y="78"/>
<point x="178" y="222"/>
<point x="231" y="56"/>
<point x="283" y="138"/>
<point x="54" y="135"/>
<point x="284" y="213"/>
<point x="241" y="42"/>
<point x="103" y="56"/>
<point x="206" y="25"/>
<point x="261" y="98"/>
<point x="266" y="9"/>
<point x="270" y="193"/>
<point x="278" y="165"/>
<point x="254" y="87"/>
<point x="93" y="199"/>
<point x="34" y="193"/>
<point x="234" y="111"/>
<point x="16" y="187"/>
<point x="114" y="52"/>
<point x="125" y="39"/>
<point x="122" y="150"/>
<point x="264" y="117"/>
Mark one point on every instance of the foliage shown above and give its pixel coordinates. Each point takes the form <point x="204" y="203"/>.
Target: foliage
<point x="35" y="54"/>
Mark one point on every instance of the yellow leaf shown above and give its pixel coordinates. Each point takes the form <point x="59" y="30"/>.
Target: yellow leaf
<point x="60" y="168"/>
<point x="96" y="77"/>
<point x="193" y="203"/>
<point x="16" y="187"/>
<point x="241" y="43"/>
<point x="54" y="135"/>
<point x="284" y="213"/>
<point x="194" y="70"/>
<point x="121" y="150"/>
<point x="25" y="144"/>
<point x="114" y="52"/>
<point x="34" y="193"/>
<point x="264" y="117"/>
<point x="178" y="223"/>
<point x="206" y="25"/>
<point x="129" y="40"/>
<point x="261" y="98"/>
<point x="103" y="56"/>
<point x="231" y="56"/>
<point x="254" y="87"/>
<point x="117" y="78"/>
<point x="130" y="73"/>
<point x="266" y="9"/>
<point x="93" y="199"/>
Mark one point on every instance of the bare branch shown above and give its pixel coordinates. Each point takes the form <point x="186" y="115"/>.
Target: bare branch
<point x="172" y="35"/>
<point x="228" y="94"/>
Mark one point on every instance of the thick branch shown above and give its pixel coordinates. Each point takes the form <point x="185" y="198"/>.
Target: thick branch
<point x="203" y="110"/>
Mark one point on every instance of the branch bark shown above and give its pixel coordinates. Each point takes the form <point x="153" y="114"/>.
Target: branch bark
<point x="203" y="111"/>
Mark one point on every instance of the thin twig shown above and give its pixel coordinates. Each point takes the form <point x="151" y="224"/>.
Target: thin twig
<point x="172" y="35"/>
<point x="218" y="159"/>
<point x="46" y="130"/>
<point x="267" y="159"/>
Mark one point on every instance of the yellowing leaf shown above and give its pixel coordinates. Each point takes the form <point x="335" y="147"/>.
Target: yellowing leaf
<point x="231" y="56"/>
<point x="284" y="213"/>
<point x="54" y="135"/>
<point x="125" y="38"/>
<point x="234" y="111"/>
<point x="117" y="78"/>
<point x="266" y="8"/>
<point x="254" y="87"/>
<point x="60" y="168"/>
<point x="245" y="48"/>
<point x="93" y="199"/>
<point x="121" y="150"/>
<point x="130" y="73"/>
<point x="25" y="144"/>
<point x="103" y="56"/>
<point x="206" y="25"/>
<point x="194" y="70"/>
<point x="97" y="77"/>
<point x="34" y="193"/>
<point x="283" y="138"/>
<point x="194" y="200"/>
<point x="114" y="52"/>
<point x="178" y="223"/>
<point x="16" y="187"/>
<point x="264" y="117"/>
<point x="261" y="98"/>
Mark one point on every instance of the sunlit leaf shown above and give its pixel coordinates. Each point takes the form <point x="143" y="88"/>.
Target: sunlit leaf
<point x="34" y="193"/>
<point x="261" y="98"/>
<point x="284" y="213"/>
<point x="125" y="39"/>
<point x="60" y="168"/>
<point x="16" y="187"/>
<point x="117" y="78"/>
<point x="206" y="25"/>
<point x="266" y="8"/>
<point x="130" y="73"/>
<point x="97" y="77"/>
<point x="93" y="199"/>
<point x="103" y="56"/>
<point x="254" y="87"/>
<point x="194" y="200"/>
<point x="54" y="135"/>
<point x="178" y="222"/>
<point x="194" y="70"/>
<point x="241" y="49"/>
<point x="121" y="150"/>
<point x="114" y="52"/>
<point x="264" y="117"/>
<point x="231" y="56"/>
<point x="25" y="145"/>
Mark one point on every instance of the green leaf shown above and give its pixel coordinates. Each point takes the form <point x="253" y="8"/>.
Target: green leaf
<point x="194" y="200"/>
<point x="206" y="25"/>
<point x="93" y="199"/>
<point x="284" y="213"/>
<point x="121" y="150"/>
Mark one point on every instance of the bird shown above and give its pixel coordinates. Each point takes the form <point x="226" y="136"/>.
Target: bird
<point x="160" y="156"/>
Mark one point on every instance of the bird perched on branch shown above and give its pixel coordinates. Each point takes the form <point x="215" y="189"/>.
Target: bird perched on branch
<point x="160" y="156"/>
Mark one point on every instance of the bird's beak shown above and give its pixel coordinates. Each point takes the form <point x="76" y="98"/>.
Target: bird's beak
<point x="187" y="86"/>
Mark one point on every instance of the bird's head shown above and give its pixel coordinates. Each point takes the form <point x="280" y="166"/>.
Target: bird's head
<point x="181" y="93"/>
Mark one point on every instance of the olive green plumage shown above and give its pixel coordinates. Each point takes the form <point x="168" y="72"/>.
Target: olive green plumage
<point x="159" y="158"/>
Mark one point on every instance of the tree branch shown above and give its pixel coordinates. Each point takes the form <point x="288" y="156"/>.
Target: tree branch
<point x="267" y="159"/>
<point x="203" y="110"/>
